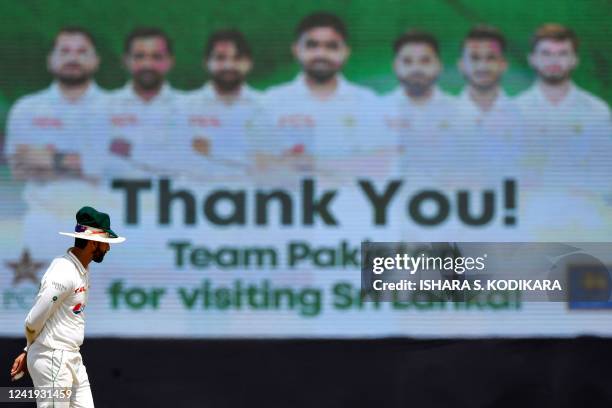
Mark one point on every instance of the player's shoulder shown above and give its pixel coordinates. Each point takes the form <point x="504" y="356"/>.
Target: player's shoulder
<point x="527" y="95"/>
<point x="195" y="92"/>
<point x="118" y="93"/>
<point x="100" y="96"/>
<point x="178" y="93"/>
<point x="62" y="271"/>
<point x="33" y="100"/>
<point x="252" y="93"/>
<point x="444" y="101"/>
<point x="360" y="91"/>
<point x="446" y="96"/>
<point x="592" y="102"/>
<point x="280" y="91"/>
<point x="393" y="95"/>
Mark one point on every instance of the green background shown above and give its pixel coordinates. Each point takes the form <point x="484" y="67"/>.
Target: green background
<point x="29" y="27"/>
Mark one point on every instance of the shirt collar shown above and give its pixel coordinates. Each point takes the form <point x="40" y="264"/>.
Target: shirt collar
<point x="82" y="270"/>
<point x="535" y="88"/>
<point x="502" y="98"/>
<point x="93" y="90"/>
<point x="246" y="92"/>
<point x="401" y="94"/>
<point x="300" y="82"/>
<point x="166" y="91"/>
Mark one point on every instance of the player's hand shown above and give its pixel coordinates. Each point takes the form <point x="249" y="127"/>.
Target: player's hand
<point x="121" y="147"/>
<point x="32" y="162"/>
<point x="71" y="162"/>
<point x="201" y="145"/>
<point x="19" y="365"/>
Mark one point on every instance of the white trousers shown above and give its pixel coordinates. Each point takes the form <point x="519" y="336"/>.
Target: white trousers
<point x="60" y="370"/>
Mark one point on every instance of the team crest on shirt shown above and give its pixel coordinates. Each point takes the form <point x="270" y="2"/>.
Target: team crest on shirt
<point x="348" y="121"/>
<point x="78" y="308"/>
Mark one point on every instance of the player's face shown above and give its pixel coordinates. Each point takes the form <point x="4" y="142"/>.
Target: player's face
<point x="322" y="52"/>
<point x="73" y="60"/>
<point x="228" y="69"/>
<point x="417" y="67"/>
<point x="100" y="249"/>
<point x="149" y="60"/>
<point x="482" y="63"/>
<point x="554" y="60"/>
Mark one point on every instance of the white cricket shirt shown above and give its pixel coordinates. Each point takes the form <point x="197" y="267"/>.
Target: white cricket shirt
<point x="151" y="129"/>
<point x="232" y="132"/>
<point x="58" y="314"/>
<point x="336" y="126"/>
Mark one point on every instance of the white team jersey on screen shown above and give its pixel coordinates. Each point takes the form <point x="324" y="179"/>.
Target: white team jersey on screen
<point x="337" y="126"/>
<point x="232" y="132"/>
<point x="487" y="143"/>
<point x="151" y="128"/>
<point x="567" y="166"/>
<point x="48" y="119"/>
<point x="423" y="131"/>
<point x="568" y="142"/>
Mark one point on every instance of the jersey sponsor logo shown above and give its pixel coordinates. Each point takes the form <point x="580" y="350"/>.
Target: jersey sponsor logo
<point x="296" y="121"/>
<point x="124" y="120"/>
<point x="47" y="122"/>
<point x="78" y="308"/>
<point x="58" y="286"/>
<point x="204" y="121"/>
<point x="396" y="123"/>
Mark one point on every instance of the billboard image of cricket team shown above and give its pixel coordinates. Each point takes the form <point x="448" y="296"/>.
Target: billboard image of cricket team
<point x="245" y="202"/>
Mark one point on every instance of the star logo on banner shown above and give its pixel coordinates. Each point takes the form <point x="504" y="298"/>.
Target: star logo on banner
<point x="25" y="268"/>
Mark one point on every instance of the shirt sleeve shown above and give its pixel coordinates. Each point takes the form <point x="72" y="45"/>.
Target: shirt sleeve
<point x="16" y="129"/>
<point x="55" y="286"/>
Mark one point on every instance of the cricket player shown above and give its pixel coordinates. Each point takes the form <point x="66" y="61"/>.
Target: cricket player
<point x="567" y="125"/>
<point x="55" y="326"/>
<point x="225" y="118"/>
<point x="49" y="131"/>
<point x="143" y="116"/>
<point x="54" y="137"/>
<point x="488" y="123"/>
<point x="321" y="118"/>
<point x="568" y="142"/>
<point x="418" y="111"/>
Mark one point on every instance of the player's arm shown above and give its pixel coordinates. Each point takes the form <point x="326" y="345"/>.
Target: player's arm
<point x="56" y="285"/>
<point x="54" y="288"/>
